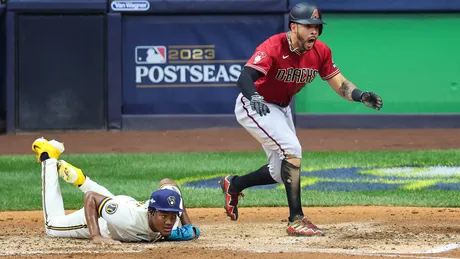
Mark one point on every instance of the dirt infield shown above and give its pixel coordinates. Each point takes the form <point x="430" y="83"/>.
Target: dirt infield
<point x="352" y="232"/>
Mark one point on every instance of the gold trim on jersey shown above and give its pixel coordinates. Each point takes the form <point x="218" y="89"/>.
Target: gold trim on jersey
<point x="66" y="228"/>
<point x="101" y="205"/>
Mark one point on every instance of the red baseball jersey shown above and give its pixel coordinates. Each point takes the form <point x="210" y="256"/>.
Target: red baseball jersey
<point x="286" y="70"/>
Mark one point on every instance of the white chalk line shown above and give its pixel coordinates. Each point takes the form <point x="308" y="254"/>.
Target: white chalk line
<point x="69" y="252"/>
<point x="435" y="250"/>
<point x="440" y="249"/>
<point x="443" y="248"/>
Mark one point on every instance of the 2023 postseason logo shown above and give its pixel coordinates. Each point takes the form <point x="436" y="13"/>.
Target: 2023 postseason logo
<point x="130" y="5"/>
<point x="184" y="66"/>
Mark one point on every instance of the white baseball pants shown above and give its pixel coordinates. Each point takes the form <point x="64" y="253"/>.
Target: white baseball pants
<point x="275" y="131"/>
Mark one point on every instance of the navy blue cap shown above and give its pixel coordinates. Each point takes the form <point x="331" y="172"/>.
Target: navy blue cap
<point x="165" y="200"/>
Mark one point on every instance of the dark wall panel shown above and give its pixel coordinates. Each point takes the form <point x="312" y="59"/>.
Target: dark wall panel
<point x="61" y="72"/>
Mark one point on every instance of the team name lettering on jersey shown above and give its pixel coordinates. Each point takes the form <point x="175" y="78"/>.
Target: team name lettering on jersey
<point x="296" y="75"/>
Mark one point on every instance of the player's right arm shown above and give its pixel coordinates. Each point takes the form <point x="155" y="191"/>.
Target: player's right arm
<point x="256" y="67"/>
<point x="93" y="201"/>
<point x="246" y="81"/>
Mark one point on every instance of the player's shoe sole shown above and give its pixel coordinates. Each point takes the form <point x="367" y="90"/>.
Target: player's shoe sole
<point x="70" y="173"/>
<point x="230" y="199"/>
<point x="53" y="148"/>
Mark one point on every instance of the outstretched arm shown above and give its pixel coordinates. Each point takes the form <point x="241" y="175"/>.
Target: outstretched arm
<point x="348" y="91"/>
<point x="187" y="231"/>
<point x="92" y="202"/>
<point x="184" y="218"/>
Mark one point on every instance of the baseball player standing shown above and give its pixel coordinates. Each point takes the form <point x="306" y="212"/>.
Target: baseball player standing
<point x="279" y="68"/>
<point x="107" y="218"/>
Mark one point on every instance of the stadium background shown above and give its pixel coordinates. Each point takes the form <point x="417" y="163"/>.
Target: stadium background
<point x="81" y="65"/>
<point x="91" y="55"/>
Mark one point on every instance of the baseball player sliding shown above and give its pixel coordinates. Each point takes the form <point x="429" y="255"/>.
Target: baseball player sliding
<point x="279" y="68"/>
<point x="107" y="218"/>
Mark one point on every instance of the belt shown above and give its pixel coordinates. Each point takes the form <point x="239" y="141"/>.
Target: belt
<point x="284" y="105"/>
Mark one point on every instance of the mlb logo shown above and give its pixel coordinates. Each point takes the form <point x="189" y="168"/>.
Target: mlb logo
<point x="150" y="55"/>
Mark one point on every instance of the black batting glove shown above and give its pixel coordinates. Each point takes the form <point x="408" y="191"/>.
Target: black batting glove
<point x="258" y="104"/>
<point x="371" y="100"/>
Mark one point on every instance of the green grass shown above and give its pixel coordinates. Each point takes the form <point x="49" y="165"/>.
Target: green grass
<point x="137" y="175"/>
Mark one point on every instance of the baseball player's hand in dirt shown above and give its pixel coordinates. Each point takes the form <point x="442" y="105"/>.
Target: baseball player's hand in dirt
<point x="258" y="104"/>
<point x="372" y="100"/>
<point x="105" y="241"/>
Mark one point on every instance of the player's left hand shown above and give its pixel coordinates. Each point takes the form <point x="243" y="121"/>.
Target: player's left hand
<point x="372" y="100"/>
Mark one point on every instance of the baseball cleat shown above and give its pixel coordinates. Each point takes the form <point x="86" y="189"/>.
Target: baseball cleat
<point x="303" y="227"/>
<point x="70" y="173"/>
<point x="53" y="148"/>
<point x="231" y="198"/>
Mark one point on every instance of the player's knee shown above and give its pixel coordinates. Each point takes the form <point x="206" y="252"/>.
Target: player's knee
<point x="294" y="160"/>
<point x="290" y="173"/>
<point x="169" y="184"/>
<point x="166" y="181"/>
<point x="293" y="154"/>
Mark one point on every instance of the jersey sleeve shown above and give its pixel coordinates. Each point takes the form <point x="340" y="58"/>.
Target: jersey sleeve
<point x="116" y="211"/>
<point x="328" y="70"/>
<point x="261" y="60"/>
